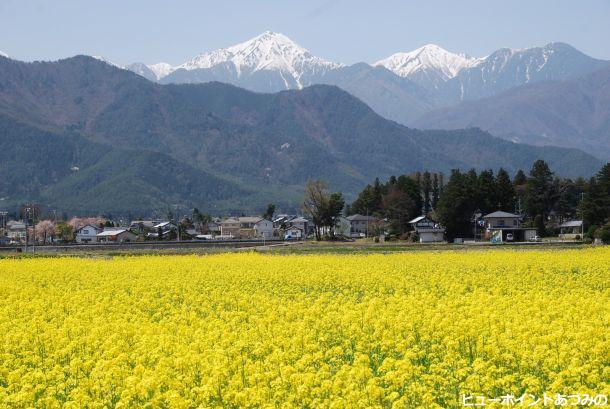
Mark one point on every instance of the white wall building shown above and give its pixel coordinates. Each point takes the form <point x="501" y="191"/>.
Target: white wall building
<point x="87" y="234"/>
<point x="427" y="230"/>
<point x="264" y="229"/>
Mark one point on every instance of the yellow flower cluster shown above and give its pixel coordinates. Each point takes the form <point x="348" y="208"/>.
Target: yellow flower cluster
<point x="339" y="331"/>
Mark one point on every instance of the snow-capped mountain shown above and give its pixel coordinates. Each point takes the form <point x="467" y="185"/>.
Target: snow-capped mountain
<point x="428" y="65"/>
<point x="401" y="87"/>
<point x="268" y="62"/>
<point x="267" y="52"/>
<point x="3" y="54"/>
<point x="508" y="68"/>
<point x="161" y="69"/>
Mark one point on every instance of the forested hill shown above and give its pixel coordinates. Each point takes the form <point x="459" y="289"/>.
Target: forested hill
<point x="142" y="146"/>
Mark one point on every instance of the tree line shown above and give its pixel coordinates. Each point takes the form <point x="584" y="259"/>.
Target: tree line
<point x="544" y="199"/>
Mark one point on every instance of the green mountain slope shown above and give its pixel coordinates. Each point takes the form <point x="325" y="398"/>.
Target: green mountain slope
<point x="217" y="146"/>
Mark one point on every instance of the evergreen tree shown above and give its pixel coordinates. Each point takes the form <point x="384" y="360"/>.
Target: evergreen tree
<point x="593" y="208"/>
<point x="398" y="208"/>
<point x="436" y="190"/>
<point x="487" y="198"/>
<point x="455" y="207"/>
<point x="568" y="197"/>
<point x="603" y="178"/>
<point x="539" y="194"/>
<point x="409" y="186"/>
<point x="505" y="192"/>
<point x="520" y="178"/>
<point x="269" y="212"/>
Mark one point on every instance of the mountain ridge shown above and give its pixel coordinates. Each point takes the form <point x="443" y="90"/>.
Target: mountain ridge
<point x="569" y="113"/>
<point x="261" y="147"/>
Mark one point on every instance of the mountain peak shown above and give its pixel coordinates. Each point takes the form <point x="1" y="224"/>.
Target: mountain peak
<point x="267" y="51"/>
<point x="3" y="54"/>
<point x="429" y="57"/>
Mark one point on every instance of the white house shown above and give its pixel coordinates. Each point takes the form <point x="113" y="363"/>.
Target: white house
<point x="263" y="229"/>
<point x="427" y="230"/>
<point x="293" y="232"/>
<point x="503" y="226"/>
<point x="87" y="234"/>
<point x="116" y="236"/>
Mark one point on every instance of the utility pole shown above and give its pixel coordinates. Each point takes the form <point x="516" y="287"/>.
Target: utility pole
<point x="582" y="216"/>
<point x="3" y="214"/>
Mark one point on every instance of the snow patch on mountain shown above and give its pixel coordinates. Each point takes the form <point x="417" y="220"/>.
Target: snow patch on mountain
<point x="106" y="60"/>
<point x="161" y="69"/>
<point x="429" y="57"/>
<point x="3" y="54"/>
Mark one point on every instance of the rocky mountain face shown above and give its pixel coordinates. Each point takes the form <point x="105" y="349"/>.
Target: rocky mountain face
<point x="571" y="113"/>
<point x="508" y="68"/>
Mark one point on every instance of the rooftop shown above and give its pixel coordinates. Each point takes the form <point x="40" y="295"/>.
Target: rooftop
<point x="113" y="232"/>
<point x="501" y="214"/>
<point x="572" y="223"/>
<point x="359" y="217"/>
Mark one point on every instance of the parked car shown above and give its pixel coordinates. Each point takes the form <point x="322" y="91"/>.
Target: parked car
<point x="536" y="239"/>
<point x="510" y="237"/>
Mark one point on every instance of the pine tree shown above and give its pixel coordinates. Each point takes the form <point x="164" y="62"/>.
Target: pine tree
<point x="455" y="207"/>
<point x="539" y="194"/>
<point x="487" y="198"/>
<point x="505" y="192"/>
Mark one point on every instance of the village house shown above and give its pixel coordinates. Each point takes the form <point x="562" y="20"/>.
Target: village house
<point x="293" y="233"/>
<point x="506" y="227"/>
<point x="427" y="230"/>
<point x="342" y="226"/>
<point x="300" y="222"/>
<point x="114" y="235"/>
<point x="264" y="229"/>
<point x="16" y="231"/>
<point x="362" y="225"/>
<point x="246" y="227"/>
<point x="229" y="227"/>
<point x="214" y="227"/>
<point x="571" y="229"/>
<point x="87" y="234"/>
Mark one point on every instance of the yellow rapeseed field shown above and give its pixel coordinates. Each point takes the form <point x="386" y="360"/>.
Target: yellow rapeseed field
<point x="423" y="329"/>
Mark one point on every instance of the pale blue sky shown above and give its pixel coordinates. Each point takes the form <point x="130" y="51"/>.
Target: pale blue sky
<point x="345" y="31"/>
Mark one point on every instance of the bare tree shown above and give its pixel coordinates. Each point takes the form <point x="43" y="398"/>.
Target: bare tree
<point x="315" y="202"/>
